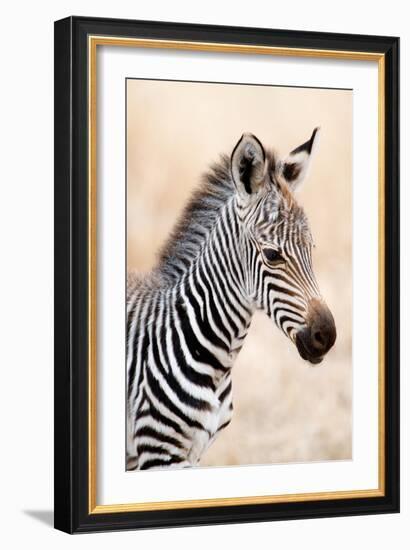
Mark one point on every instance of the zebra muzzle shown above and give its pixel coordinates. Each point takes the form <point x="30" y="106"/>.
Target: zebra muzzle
<point x="319" y="335"/>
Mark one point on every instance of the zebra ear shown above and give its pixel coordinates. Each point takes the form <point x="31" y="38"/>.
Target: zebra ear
<point x="295" y="167"/>
<point x="248" y="164"/>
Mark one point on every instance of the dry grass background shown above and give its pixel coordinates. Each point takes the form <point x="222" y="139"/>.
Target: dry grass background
<point x="284" y="409"/>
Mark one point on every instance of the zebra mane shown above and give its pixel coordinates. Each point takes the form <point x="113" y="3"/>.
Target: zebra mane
<point x="196" y="221"/>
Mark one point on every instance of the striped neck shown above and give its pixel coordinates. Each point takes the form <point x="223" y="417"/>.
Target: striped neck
<point x="212" y="301"/>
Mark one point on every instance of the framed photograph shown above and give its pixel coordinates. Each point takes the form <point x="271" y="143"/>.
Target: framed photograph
<point x="226" y="274"/>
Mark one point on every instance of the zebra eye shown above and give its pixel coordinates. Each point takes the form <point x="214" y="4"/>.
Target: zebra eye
<point x="273" y="256"/>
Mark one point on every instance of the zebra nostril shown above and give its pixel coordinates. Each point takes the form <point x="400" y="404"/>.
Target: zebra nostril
<point x="319" y="339"/>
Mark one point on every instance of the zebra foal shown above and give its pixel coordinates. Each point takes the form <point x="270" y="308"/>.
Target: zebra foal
<point x="243" y="243"/>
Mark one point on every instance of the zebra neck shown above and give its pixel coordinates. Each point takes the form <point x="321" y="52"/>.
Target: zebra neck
<point x="212" y="303"/>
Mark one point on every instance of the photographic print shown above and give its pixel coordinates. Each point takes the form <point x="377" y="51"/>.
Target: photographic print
<point x="239" y="260"/>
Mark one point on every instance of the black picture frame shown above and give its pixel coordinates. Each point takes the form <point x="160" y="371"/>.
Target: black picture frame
<point x="71" y="492"/>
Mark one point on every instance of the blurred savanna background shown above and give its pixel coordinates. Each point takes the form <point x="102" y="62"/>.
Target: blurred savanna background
<point x="285" y="410"/>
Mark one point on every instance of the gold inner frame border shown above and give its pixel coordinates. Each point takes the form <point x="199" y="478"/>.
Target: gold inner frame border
<point x="93" y="43"/>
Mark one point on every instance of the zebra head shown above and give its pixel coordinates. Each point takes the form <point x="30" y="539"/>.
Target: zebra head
<point x="277" y="244"/>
